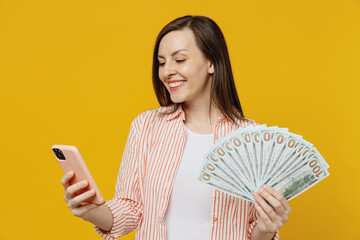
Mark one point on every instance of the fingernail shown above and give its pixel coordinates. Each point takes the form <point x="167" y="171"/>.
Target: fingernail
<point x="267" y="187"/>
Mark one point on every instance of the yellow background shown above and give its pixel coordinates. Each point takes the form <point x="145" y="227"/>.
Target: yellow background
<point x="78" y="72"/>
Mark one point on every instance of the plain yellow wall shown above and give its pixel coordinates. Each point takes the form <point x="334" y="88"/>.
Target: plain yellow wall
<point x="78" y="72"/>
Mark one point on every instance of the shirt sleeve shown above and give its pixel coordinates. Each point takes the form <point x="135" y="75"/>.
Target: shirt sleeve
<point x="253" y="221"/>
<point x="126" y="206"/>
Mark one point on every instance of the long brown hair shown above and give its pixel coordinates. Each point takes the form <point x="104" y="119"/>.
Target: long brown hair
<point x="211" y="42"/>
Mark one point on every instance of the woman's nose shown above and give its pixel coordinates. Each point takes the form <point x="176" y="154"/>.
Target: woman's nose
<point x="169" y="69"/>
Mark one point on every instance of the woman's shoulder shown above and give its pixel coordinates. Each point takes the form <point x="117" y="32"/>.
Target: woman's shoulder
<point x="156" y="113"/>
<point x="245" y="122"/>
<point x="152" y="116"/>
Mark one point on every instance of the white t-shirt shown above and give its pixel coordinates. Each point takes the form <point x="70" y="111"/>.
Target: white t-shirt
<point x="188" y="215"/>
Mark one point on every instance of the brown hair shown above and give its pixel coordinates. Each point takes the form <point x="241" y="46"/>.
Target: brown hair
<point x="211" y="42"/>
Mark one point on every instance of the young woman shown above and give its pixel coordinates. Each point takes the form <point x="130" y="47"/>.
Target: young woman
<point x="157" y="191"/>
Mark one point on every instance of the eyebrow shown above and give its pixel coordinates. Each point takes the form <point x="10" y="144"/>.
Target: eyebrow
<point x="159" y="56"/>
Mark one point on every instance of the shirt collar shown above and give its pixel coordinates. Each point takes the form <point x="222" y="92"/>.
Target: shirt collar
<point x="224" y="117"/>
<point x="178" y="113"/>
<point x="181" y="114"/>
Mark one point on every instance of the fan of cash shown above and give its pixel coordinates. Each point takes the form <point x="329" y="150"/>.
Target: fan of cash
<point x="247" y="159"/>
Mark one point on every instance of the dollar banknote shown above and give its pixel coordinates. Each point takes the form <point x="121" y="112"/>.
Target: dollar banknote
<point x="245" y="160"/>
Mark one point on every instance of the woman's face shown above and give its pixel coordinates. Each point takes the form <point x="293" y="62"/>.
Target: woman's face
<point x="183" y="69"/>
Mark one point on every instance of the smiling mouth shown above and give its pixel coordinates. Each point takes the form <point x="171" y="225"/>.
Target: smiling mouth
<point x="176" y="85"/>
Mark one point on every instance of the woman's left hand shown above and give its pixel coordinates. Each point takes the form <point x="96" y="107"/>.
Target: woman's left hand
<point x="273" y="209"/>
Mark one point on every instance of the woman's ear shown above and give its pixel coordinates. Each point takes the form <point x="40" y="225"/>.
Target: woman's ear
<point x="211" y="67"/>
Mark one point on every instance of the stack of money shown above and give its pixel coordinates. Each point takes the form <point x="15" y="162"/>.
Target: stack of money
<point x="251" y="157"/>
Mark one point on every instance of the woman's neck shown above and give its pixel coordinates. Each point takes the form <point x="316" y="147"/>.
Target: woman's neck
<point x="198" y="119"/>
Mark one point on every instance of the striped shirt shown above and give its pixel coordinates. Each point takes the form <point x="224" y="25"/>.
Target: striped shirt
<point x="148" y="167"/>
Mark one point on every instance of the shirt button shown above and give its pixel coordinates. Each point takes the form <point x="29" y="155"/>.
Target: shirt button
<point x="215" y="219"/>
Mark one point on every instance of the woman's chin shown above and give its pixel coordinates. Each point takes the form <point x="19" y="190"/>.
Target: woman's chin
<point x="178" y="102"/>
<point x="177" y="99"/>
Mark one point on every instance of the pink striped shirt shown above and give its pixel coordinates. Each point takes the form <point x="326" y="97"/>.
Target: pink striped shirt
<point x="148" y="167"/>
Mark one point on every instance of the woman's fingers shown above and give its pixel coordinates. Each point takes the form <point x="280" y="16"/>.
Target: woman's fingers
<point x="272" y="207"/>
<point x="265" y="206"/>
<point x="65" y="180"/>
<point x="267" y="225"/>
<point x="271" y="221"/>
<point x="76" y="203"/>
<point x="70" y="191"/>
<point x="274" y="202"/>
<point x="279" y="197"/>
<point x="78" y="200"/>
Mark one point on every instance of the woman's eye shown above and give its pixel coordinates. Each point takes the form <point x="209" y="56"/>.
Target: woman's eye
<point x="180" y="60"/>
<point x="161" y="64"/>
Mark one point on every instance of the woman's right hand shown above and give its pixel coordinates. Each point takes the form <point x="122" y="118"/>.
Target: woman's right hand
<point x="76" y="203"/>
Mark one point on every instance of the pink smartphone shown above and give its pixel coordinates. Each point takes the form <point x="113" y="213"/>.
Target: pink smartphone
<point x="70" y="158"/>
